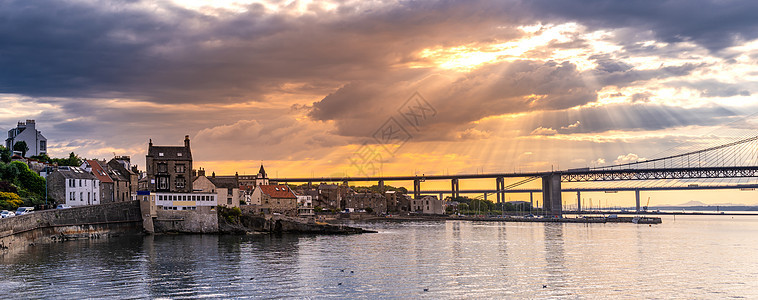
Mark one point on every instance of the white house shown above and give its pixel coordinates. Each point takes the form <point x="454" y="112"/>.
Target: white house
<point x="28" y="133"/>
<point x="305" y="206"/>
<point x="73" y="186"/>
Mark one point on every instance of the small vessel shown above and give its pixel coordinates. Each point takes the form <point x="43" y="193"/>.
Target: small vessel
<point x="636" y="220"/>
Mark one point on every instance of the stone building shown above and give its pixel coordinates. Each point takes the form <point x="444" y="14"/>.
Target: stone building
<point x="107" y="190"/>
<point x="169" y="168"/>
<point x="331" y="196"/>
<point x="368" y="201"/>
<point x="275" y="199"/>
<point x="124" y="175"/>
<point x="28" y="133"/>
<point x="427" y="205"/>
<point x="73" y="186"/>
<point x="227" y="189"/>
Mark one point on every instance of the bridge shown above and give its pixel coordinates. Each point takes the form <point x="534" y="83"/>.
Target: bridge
<point x="734" y="159"/>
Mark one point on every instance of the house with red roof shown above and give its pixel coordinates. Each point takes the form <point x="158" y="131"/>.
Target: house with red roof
<point x="107" y="188"/>
<point x="275" y="199"/>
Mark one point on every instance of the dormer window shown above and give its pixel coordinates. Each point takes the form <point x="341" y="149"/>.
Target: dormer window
<point x="179" y="154"/>
<point x="160" y="154"/>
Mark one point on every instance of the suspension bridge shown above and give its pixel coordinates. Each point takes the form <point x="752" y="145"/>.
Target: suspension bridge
<point x="732" y="164"/>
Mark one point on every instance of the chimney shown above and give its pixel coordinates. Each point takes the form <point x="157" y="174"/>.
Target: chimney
<point x="30" y="124"/>
<point x="201" y="172"/>
<point x="237" y="177"/>
<point x="186" y="141"/>
<point x="151" y="142"/>
<point x="213" y="175"/>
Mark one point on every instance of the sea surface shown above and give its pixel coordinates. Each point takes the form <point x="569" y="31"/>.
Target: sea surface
<point x="686" y="257"/>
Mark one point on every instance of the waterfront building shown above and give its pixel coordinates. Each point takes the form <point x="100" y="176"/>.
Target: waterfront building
<point x="169" y="168"/>
<point x="227" y="189"/>
<point x="73" y="186"/>
<point x="368" y="201"/>
<point x="95" y="168"/>
<point x="275" y="199"/>
<point x="305" y="206"/>
<point x="183" y="201"/>
<point x="125" y="176"/>
<point x="427" y="205"/>
<point x="28" y="133"/>
<point x="331" y="196"/>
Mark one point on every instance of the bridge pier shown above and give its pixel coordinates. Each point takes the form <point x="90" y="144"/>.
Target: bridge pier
<point x="578" y="201"/>
<point x="456" y="188"/>
<point x="416" y="188"/>
<point x="499" y="187"/>
<point x="551" y="194"/>
<point x="637" y="198"/>
<point x="381" y="186"/>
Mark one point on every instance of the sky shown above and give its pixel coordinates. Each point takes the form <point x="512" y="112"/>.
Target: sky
<point x="336" y="88"/>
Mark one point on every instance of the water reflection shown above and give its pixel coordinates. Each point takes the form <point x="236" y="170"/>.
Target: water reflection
<point x="453" y="259"/>
<point x="555" y="256"/>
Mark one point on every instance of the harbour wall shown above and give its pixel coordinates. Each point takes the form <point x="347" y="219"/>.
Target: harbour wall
<point x="95" y="221"/>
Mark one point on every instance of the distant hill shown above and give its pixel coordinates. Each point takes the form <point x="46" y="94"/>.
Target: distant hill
<point x="698" y="203"/>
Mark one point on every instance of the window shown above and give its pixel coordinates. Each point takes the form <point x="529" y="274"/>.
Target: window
<point x="163" y="183"/>
<point x="80" y="183"/>
<point x="160" y="154"/>
<point x="42" y="145"/>
<point x="180" y="182"/>
<point x="229" y="201"/>
<point x="179" y="168"/>
<point x="179" y="154"/>
<point x="162" y="168"/>
<point x="81" y="196"/>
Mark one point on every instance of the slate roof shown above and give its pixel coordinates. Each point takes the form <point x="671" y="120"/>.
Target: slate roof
<point x="169" y="153"/>
<point x="99" y="172"/>
<point x="227" y="183"/>
<point x="278" y="191"/>
<point x="75" y="173"/>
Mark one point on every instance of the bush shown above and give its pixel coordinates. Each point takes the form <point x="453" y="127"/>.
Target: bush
<point x="10" y="201"/>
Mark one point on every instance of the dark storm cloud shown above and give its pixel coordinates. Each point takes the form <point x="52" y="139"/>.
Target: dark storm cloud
<point x="163" y="53"/>
<point x="711" y="24"/>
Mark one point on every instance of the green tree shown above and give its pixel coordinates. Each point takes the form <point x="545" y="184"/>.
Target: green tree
<point x="28" y="179"/>
<point x="21" y="146"/>
<point x="5" y="154"/>
<point x="73" y="160"/>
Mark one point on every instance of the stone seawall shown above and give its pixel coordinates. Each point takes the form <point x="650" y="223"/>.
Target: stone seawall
<point x="94" y="221"/>
<point x="202" y="220"/>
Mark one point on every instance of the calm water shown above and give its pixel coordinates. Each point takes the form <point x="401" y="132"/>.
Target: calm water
<point x="703" y="257"/>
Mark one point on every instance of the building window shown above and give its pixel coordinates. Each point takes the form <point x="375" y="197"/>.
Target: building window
<point x="163" y="183"/>
<point x="180" y="182"/>
<point x="180" y="168"/>
<point x="42" y="146"/>
<point x="81" y="196"/>
<point x="162" y="168"/>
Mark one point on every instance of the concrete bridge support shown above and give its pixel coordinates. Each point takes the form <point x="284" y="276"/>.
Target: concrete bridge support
<point x="637" y="198"/>
<point x="456" y="187"/>
<point x="416" y="188"/>
<point x="578" y="201"/>
<point x="551" y="194"/>
<point x="500" y="187"/>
